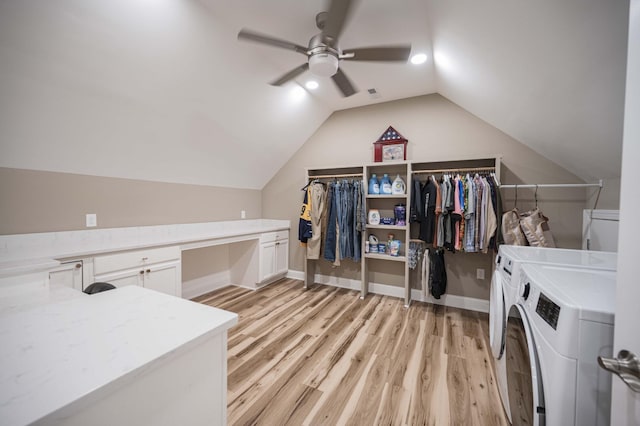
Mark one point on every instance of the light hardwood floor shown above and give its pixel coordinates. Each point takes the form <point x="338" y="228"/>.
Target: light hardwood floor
<point x="324" y="357"/>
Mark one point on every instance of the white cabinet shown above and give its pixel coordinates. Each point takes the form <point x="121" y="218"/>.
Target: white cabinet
<point x="68" y="274"/>
<point x="157" y="269"/>
<point x="274" y="256"/>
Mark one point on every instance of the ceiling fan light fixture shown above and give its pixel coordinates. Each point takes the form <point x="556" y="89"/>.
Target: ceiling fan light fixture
<point x="311" y="85"/>
<point x="323" y="64"/>
<point x="418" y="59"/>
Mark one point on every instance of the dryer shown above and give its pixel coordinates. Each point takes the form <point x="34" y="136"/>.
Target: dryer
<point x="503" y="294"/>
<point x="561" y="321"/>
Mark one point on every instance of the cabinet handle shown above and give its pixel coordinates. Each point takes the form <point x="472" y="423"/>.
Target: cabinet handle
<point x="141" y="272"/>
<point x="78" y="265"/>
<point x="144" y="259"/>
<point x="148" y="270"/>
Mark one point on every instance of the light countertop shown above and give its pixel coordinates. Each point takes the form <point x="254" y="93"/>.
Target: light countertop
<point x="61" y="346"/>
<point x="22" y="253"/>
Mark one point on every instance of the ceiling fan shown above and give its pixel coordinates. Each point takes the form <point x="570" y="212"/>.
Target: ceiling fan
<point x="323" y="54"/>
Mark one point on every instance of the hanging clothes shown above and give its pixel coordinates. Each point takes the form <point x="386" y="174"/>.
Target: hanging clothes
<point x="416" y="205"/>
<point x="425" y="275"/>
<point x="470" y="216"/>
<point x="331" y="243"/>
<point x="304" y="223"/>
<point x="438" y="273"/>
<point x="346" y="221"/>
<point x="428" y="218"/>
<point x="318" y="199"/>
<point x="456" y="215"/>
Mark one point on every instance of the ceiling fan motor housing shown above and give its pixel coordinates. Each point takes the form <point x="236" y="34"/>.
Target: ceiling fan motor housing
<point x="323" y="64"/>
<point x="323" y="59"/>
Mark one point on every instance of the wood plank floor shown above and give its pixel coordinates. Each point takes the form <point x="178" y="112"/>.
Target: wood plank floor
<point x="324" y="357"/>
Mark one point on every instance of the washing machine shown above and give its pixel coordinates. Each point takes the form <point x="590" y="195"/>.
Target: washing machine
<point x="507" y="270"/>
<point x="559" y="323"/>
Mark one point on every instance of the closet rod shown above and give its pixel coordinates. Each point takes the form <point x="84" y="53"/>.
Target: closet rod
<point x="336" y="176"/>
<point x="460" y="169"/>
<point x="555" y="185"/>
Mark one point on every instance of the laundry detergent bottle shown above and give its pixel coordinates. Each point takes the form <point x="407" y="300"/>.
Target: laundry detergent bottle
<point x="398" y="187"/>
<point x="374" y="186"/>
<point x="385" y="184"/>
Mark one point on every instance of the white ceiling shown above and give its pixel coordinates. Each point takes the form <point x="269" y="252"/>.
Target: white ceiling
<point x="548" y="73"/>
<point x="93" y="87"/>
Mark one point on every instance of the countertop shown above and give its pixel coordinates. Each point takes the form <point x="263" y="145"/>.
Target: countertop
<point x="21" y="253"/>
<point x="60" y="346"/>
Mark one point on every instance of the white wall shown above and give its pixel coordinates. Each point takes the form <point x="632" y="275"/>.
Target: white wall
<point x="140" y="89"/>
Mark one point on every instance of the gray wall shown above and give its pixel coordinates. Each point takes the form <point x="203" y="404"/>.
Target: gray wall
<point x="437" y="130"/>
<point x="37" y="201"/>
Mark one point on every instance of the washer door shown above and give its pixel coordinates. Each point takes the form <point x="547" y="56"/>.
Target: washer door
<point x="524" y="382"/>
<point x="497" y="323"/>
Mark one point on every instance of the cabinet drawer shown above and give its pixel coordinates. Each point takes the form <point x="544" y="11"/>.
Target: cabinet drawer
<point x="132" y="259"/>
<point x="269" y="237"/>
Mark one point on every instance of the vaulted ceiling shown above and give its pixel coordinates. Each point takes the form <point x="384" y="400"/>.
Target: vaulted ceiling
<point x="168" y="78"/>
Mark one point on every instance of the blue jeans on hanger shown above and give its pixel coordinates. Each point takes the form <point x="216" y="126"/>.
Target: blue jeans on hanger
<point x="346" y="249"/>
<point x="330" y="240"/>
<point x="357" y="202"/>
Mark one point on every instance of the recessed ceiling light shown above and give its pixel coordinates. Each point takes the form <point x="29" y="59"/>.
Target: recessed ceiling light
<point x="311" y="85"/>
<point x="418" y="59"/>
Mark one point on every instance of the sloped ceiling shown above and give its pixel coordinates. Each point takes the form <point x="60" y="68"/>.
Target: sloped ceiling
<point x="162" y="90"/>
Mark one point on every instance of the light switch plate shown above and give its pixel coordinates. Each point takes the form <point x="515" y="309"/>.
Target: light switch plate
<point x="92" y="220"/>
<point x="480" y="274"/>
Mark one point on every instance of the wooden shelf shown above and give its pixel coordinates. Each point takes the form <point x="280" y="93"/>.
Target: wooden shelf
<point x="396" y="227"/>
<point x="385" y="257"/>
<point x="383" y="196"/>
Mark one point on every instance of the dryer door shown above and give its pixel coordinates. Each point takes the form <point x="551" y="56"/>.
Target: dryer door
<point x="497" y="323"/>
<point x="525" y="390"/>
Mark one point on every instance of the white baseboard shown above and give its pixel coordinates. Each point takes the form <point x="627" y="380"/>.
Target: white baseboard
<point x="295" y="275"/>
<point x="199" y="286"/>
<point x="451" y="300"/>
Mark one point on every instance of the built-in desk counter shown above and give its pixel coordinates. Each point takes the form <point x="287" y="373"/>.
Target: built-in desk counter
<point x="19" y="253"/>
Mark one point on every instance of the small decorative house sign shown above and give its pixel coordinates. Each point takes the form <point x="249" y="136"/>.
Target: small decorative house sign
<point x="390" y="146"/>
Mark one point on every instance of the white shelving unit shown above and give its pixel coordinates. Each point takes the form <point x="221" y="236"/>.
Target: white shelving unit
<point x="385" y="204"/>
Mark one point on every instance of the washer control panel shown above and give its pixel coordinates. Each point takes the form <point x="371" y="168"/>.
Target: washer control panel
<point x="548" y="310"/>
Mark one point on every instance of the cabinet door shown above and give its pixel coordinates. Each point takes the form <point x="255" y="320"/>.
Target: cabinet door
<point x="282" y="257"/>
<point x="267" y="260"/>
<point x="163" y="279"/>
<point x="121" y="279"/>
<point x="68" y="274"/>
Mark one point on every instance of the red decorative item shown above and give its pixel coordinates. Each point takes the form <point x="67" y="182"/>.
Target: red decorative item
<point x="390" y="146"/>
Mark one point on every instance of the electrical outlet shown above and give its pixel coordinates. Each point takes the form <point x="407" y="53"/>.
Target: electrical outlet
<point x="480" y="274"/>
<point x="92" y="220"/>
<point x="243" y="214"/>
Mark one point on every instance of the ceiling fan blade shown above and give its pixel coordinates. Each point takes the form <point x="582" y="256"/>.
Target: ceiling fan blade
<point x="336" y="17"/>
<point x="343" y="83"/>
<point x="290" y="75"/>
<point x="271" y="41"/>
<point x="380" y="53"/>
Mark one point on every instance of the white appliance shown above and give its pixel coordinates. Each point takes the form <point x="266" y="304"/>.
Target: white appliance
<point x="600" y="230"/>
<point x="559" y="323"/>
<point x="504" y="286"/>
